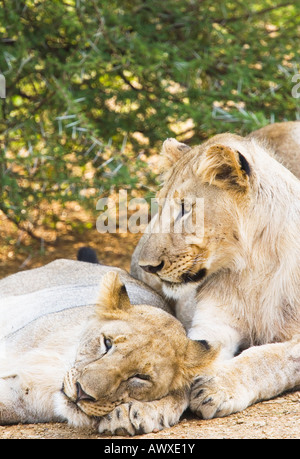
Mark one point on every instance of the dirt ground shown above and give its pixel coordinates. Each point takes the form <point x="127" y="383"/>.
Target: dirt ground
<point x="274" y="419"/>
<point x="278" y="418"/>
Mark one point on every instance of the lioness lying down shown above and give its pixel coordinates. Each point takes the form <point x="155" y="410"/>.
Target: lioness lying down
<point x="237" y="282"/>
<point x="73" y="351"/>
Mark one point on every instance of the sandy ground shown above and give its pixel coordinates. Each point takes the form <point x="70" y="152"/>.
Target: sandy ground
<point x="278" y="418"/>
<point x="274" y="419"/>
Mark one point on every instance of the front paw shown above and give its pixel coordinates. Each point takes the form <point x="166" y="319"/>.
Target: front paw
<point x="135" y="418"/>
<point x="118" y="422"/>
<point x="212" y="397"/>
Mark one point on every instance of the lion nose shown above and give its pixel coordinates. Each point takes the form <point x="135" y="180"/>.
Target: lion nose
<point x="81" y="395"/>
<point x="153" y="269"/>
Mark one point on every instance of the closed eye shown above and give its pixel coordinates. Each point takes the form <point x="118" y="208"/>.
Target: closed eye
<point x="141" y="376"/>
<point x="140" y="381"/>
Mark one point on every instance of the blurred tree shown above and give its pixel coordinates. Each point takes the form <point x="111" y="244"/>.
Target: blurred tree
<point x="92" y="84"/>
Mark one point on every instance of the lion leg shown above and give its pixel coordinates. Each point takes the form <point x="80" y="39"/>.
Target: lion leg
<point x="259" y="373"/>
<point x="136" y="418"/>
<point x="11" y="411"/>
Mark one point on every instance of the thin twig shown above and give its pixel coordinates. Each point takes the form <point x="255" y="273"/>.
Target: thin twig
<point x="252" y="13"/>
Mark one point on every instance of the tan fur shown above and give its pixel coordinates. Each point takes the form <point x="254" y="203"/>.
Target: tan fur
<point x="250" y="293"/>
<point x="171" y="152"/>
<point x="131" y="363"/>
<point x="220" y="166"/>
<point x="284" y="140"/>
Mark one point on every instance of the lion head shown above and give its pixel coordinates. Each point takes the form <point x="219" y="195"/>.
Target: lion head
<point x="222" y="183"/>
<point x="130" y="353"/>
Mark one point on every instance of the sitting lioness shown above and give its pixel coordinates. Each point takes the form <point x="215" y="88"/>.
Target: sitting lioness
<point x="73" y="351"/>
<point x="236" y="279"/>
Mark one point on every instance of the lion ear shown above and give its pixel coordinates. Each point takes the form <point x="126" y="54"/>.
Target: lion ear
<point x="199" y="355"/>
<point x="171" y="152"/>
<point x="224" y="167"/>
<point x="113" y="296"/>
<point x="200" y="351"/>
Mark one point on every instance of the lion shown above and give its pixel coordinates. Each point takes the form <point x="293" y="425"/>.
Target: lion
<point x="284" y="141"/>
<point x="109" y="358"/>
<point x="235" y="280"/>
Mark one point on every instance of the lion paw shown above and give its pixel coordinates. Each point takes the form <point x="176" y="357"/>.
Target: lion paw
<point x="210" y="399"/>
<point x="134" y="418"/>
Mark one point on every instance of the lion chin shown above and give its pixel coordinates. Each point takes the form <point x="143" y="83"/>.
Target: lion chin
<point x="188" y="282"/>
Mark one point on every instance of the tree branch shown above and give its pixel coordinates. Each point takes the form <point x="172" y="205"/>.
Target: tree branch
<point x="22" y="228"/>
<point x="252" y="13"/>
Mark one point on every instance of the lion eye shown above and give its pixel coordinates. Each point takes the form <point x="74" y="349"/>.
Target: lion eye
<point x="185" y="208"/>
<point x="141" y="376"/>
<point x="182" y="210"/>
<point x="107" y="344"/>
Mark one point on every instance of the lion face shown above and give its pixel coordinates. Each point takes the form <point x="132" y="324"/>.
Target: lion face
<point x="208" y="190"/>
<point x="130" y="353"/>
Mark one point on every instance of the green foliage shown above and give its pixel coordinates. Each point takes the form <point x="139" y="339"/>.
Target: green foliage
<point x="92" y="84"/>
